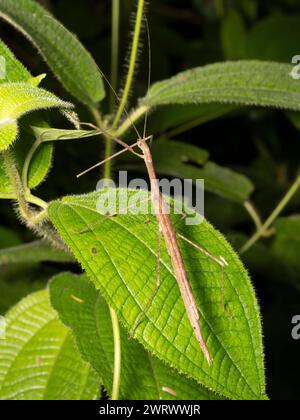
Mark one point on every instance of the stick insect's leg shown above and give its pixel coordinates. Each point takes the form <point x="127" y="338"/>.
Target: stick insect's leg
<point x="107" y="216"/>
<point x="140" y="316"/>
<point x="220" y="261"/>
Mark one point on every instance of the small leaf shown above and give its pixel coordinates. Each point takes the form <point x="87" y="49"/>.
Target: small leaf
<point x="119" y="255"/>
<point x="33" y="252"/>
<point x="68" y="59"/>
<point x="17" y="99"/>
<point x="39" y="359"/>
<point x="46" y="134"/>
<point x="257" y="83"/>
<point x="81" y="308"/>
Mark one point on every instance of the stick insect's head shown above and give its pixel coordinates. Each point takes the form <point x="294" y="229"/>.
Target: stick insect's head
<point x="142" y="141"/>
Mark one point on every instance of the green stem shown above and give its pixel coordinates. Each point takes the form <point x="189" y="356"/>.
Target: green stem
<point x="36" y="200"/>
<point x="117" y="355"/>
<point x="137" y="114"/>
<point x="27" y="162"/>
<point x="108" y="143"/>
<point x="264" y="228"/>
<point x="132" y="62"/>
<point x="253" y="213"/>
<point x="115" y="50"/>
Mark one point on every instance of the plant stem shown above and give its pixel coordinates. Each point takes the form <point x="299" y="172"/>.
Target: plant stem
<point x="27" y="162"/>
<point x="132" y="62"/>
<point x="138" y="113"/>
<point x="117" y="355"/>
<point x="114" y="50"/>
<point x="254" y="214"/>
<point x="260" y="232"/>
<point x="36" y="200"/>
<point x="108" y="143"/>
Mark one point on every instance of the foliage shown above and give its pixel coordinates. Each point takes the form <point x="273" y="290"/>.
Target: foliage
<point x="223" y="107"/>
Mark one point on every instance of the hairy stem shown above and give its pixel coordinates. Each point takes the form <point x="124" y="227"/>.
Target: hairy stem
<point x="114" y="50"/>
<point x="264" y="228"/>
<point x="117" y="355"/>
<point x="132" y="62"/>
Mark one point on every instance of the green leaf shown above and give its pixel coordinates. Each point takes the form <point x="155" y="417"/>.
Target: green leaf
<point x="270" y="40"/>
<point x="119" y="255"/>
<point x="41" y="162"/>
<point x="233" y="35"/>
<point x="39" y="359"/>
<point x="242" y="82"/>
<point x="8" y="237"/>
<point x="82" y="308"/>
<point x="33" y="252"/>
<point x="14" y="70"/>
<point x="68" y="59"/>
<point x="286" y="245"/>
<point x="17" y="281"/>
<point x="17" y="99"/>
<point x="46" y="134"/>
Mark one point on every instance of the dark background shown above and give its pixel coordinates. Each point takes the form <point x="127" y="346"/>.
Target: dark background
<point x="263" y="144"/>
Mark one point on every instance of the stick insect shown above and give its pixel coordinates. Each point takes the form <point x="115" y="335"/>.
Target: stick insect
<point x="165" y="227"/>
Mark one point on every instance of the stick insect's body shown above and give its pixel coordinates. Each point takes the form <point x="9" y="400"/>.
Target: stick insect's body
<point x="169" y="234"/>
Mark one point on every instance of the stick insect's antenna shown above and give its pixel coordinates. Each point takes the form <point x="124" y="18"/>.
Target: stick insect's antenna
<point x="119" y="100"/>
<point x="149" y="70"/>
<point x="125" y="145"/>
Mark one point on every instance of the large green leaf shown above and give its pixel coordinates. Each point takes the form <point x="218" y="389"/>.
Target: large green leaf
<point x="82" y="308"/>
<point x="17" y="99"/>
<point x="65" y="55"/>
<point x="242" y="82"/>
<point x="39" y="359"/>
<point x="67" y="58"/>
<point x="119" y="255"/>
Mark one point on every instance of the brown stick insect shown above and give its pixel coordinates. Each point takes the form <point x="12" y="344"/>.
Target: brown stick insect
<point x="166" y="229"/>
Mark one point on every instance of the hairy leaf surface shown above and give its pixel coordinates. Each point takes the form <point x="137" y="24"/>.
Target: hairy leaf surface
<point x="68" y="59"/>
<point x="119" y="254"/>
<point x="39" y="359"/>
<point x="143" y="376"/>
<point x="258" y="83"/>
